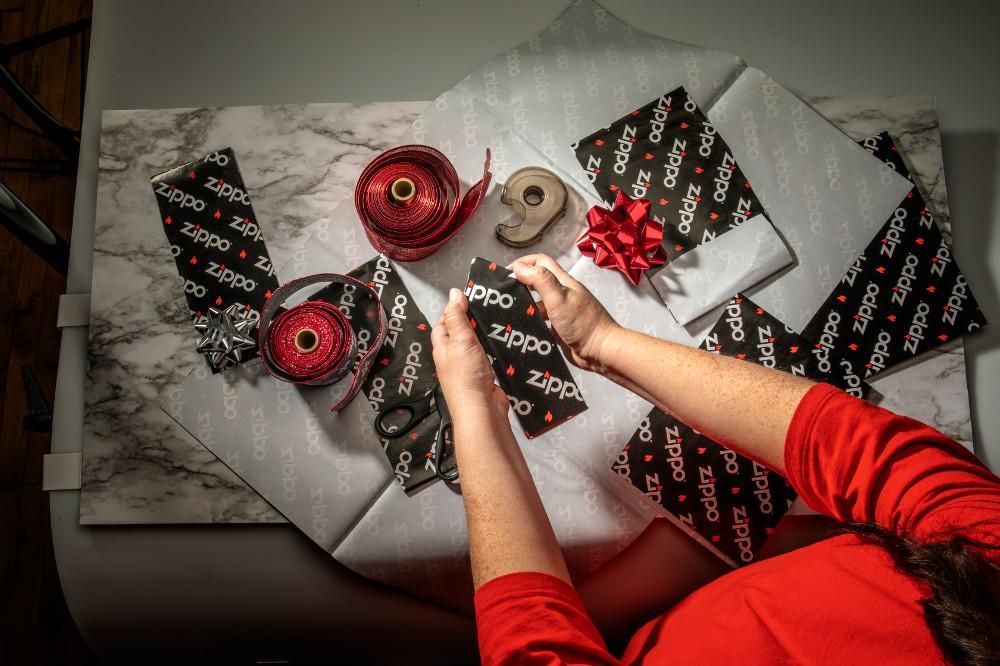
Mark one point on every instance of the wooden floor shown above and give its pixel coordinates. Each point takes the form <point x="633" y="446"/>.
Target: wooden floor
<point x="35" y="625"/>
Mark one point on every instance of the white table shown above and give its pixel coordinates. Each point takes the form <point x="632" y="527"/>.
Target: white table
<point x="268" y="589"/>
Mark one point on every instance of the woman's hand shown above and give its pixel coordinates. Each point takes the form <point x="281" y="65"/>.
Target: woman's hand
<point x="462" y="368"/>
<point x="580" y="324"/>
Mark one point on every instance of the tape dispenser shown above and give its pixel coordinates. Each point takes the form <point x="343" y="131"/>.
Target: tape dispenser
<point x="539" y="198"/>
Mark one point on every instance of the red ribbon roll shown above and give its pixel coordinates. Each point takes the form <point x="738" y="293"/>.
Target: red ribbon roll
<point x="312" y="343"/>
<point x="409" y="201"/>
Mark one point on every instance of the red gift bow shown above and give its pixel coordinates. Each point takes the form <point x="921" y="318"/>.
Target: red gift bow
<point x="623" y="237"/>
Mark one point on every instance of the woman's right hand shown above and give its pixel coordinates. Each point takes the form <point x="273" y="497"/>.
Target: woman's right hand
<point x="580" y="324"/>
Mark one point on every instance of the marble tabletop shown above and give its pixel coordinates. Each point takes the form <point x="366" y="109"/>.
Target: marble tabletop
<point x="298" y="161"/>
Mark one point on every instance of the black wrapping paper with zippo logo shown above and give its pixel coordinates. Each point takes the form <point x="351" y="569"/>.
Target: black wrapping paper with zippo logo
<point x="732" y="502"/>
<point x="214" y="236"/>
<point x="525" y="358"/>
<point x="403" y="369"/>
<point x="668" y="152"/>
<point x="904" y="295"/>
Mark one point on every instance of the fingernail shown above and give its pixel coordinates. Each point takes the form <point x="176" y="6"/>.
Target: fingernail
<point x="454" y="295"/>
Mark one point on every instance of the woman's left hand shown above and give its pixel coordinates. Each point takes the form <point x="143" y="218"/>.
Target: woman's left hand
<point x="462" y="368"/>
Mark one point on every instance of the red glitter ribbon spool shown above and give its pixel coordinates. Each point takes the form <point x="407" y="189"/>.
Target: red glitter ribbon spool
<point x="312" y="343"/>
<point x="409" y="202"/>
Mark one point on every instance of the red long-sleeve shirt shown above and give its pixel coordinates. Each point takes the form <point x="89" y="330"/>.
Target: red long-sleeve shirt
<point x="837" y="601"/>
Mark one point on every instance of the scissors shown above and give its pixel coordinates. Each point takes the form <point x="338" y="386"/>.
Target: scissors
<point x="416" y="411"/>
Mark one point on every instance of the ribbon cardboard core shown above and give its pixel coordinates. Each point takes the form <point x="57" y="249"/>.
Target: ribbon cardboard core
<point x="403" y="190"/>
<point x="306" y="340"/>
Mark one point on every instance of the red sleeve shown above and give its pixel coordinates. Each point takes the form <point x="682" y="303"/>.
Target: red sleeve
<point x="535" y="619"/>
<point x="858" y="462"/>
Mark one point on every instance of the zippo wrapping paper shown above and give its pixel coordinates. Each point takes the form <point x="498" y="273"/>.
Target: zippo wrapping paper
<point x="214" y="236"/>
<point x="904" y="295"/>
<point x="313" y="486"/>
<point x="526" y="361"/>
<point x="733" y="503"/>
<point x="669" y="153"/>
<point x="589" y="68"/>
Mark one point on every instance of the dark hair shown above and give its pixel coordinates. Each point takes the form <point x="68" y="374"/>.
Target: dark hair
<point x="963" y="609"/>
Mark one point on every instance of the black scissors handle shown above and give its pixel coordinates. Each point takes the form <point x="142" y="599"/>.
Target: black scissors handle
<point x="443" y="439"/>
<point x="416" y="411"/>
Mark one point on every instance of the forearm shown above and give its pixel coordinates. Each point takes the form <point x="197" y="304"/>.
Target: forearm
<point x="508" y="528"/>
<point x="741" y="405"/>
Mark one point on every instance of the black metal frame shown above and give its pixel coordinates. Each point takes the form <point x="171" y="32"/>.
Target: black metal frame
<point x="65" y="138"/>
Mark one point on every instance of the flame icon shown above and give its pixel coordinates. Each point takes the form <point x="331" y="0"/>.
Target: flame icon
<point x="384" y="361"/>
<point x="614" y="187"/>
<point x="169" y="220"/>
<point x="664" y="202"/>
<point x="193" y="260"/>
<point x="422" y="327"/>
<point x="648" y="156"/>
<point x="546" y="375"/>
<point x="508" y="328"/>
<point x="510" y="370"/>
<point x="191" y="175"/>
<point x="548" y="417"/>
<point x="267" y="294"/>
<point x="218" y="300"/>
<point x="684" y="126"/>
<point x="217" y="215"/>
<point x="599" y="142"/>
<point x="714" y="216"/>
<point x="243" y="254"/>
<point x="530" y="310"/>
<point x="648" y="457"/>
<point x="471" y="283"/>
<point x="699" y="170"/>
<point x="794" y="349"/>
<point x="472" y="322"/>
<point x="492" y="266"/>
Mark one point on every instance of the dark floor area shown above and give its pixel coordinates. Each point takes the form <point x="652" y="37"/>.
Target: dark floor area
<point x="35" y="624"/>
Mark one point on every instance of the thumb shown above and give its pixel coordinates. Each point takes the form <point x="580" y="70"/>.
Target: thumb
<point x="456" y="319"/>
<point x="542" y="280"/>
